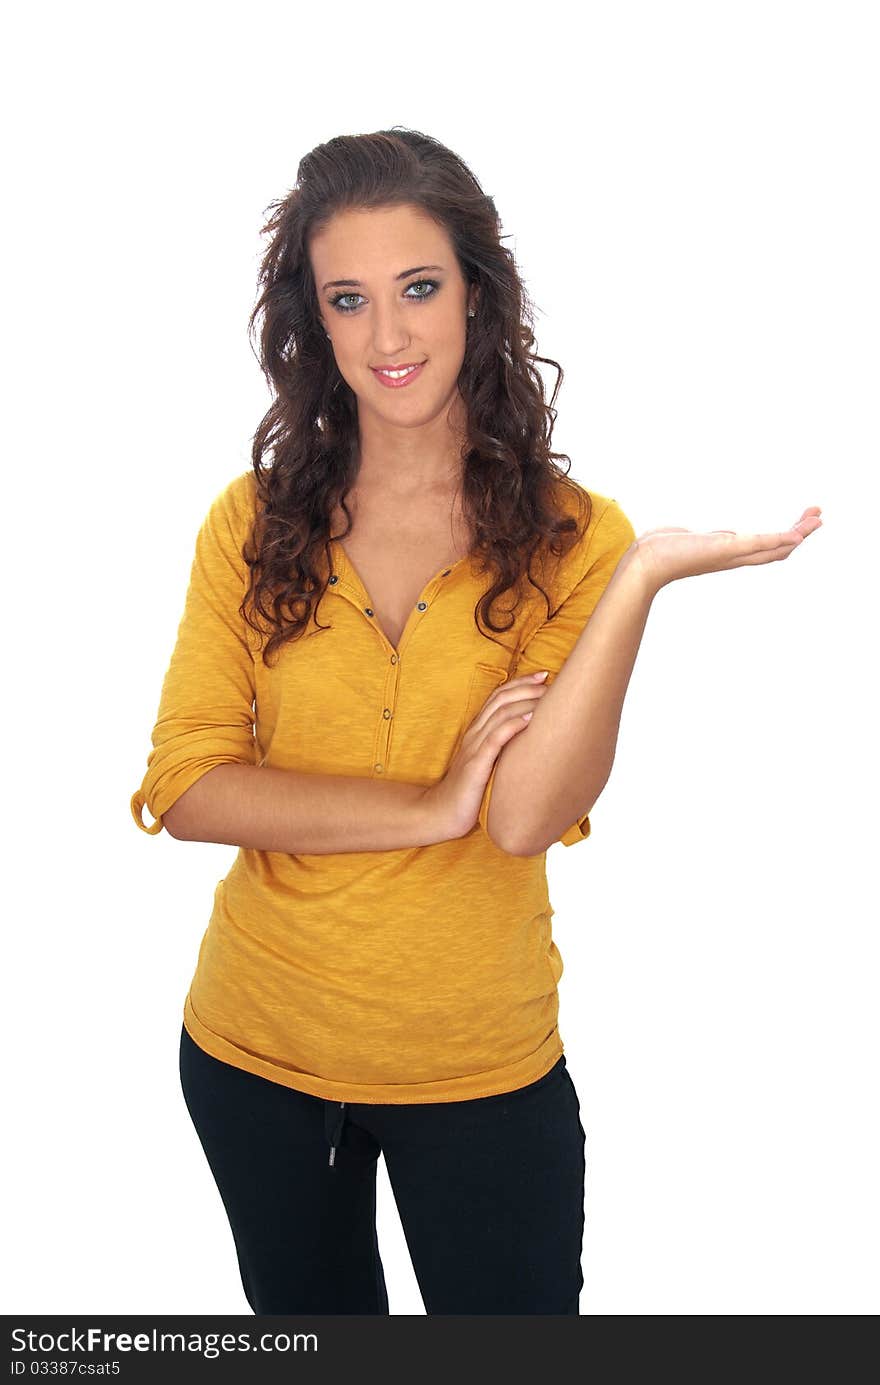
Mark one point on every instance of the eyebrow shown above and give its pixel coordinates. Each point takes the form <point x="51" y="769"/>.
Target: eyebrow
<point x="356" y="283"/>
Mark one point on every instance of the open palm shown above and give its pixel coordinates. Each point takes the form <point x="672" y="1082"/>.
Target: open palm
<point x="670" y="553"/>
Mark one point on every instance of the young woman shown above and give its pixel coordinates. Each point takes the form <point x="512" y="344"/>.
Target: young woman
<point x="397" y="680"/>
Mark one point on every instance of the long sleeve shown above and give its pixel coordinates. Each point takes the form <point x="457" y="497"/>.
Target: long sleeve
<point x="206" y="709"/>
<point x="552" y="642"/>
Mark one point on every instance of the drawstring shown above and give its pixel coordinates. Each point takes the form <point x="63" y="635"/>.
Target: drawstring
<point x="333" y="1127"/>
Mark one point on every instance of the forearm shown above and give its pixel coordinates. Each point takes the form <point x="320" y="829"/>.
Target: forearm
<point x="271" y="809"/>
<point x="552" y="773"/>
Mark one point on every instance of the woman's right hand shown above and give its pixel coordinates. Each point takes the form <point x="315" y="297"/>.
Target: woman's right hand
<point x="455" y="800"/>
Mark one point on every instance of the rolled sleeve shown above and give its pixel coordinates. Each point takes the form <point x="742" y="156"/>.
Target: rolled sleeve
<point x="206" y="708"/>
<point x="550" y="645"/>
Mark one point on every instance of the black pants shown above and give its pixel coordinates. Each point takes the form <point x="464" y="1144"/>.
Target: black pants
<point x="490" y="1192"/>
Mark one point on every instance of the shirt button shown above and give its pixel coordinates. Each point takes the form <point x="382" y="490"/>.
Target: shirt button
<point x="387" y="713"/>
<point x="378" y="768"/>
<point x="446" y="573"/>
<point x="368" y="611"/>
<point x="423" y="606"/>
<point x="394" y="658"/>
<point x="333" y="579"/>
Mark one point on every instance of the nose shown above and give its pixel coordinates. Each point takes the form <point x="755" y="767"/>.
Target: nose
<point x="390" y="332"/>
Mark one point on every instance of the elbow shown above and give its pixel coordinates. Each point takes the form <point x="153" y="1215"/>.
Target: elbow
<point x="514" y="842"/>
<point x="173" y="823"/>
<point x="178" y="819"/>
<point x="543" y="836"/>
<point x="525" y="848"/>
<point x="514" y="838"/>
<point x="500" y="836"/>
<point x="184" y="818"/>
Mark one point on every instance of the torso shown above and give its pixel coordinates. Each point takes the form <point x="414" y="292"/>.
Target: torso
<point x="396" y="552"/>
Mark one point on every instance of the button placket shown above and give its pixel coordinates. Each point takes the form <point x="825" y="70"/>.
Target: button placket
<point x="386" y="723"/>
<point x="429" y="592"/>
<point x="353" y="592"/>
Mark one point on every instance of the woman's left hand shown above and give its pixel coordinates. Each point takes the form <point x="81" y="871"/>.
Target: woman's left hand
<point x="664" y="555"/>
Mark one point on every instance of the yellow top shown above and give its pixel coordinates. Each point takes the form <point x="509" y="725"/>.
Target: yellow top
<point x="419" y="974"/>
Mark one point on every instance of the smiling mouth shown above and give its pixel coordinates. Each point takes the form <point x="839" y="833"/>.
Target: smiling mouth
<point x="398" y="377"/>
<point x="397" y="372"/>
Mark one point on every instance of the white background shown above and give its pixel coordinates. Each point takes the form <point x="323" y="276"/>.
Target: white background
<point x="691" y="194"/>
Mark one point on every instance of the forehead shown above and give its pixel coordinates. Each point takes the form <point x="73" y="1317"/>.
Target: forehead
<point x="378" y="242"/>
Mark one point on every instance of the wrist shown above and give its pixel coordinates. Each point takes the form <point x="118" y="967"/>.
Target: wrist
<point x="434" y="826"/>
<point x="636" y="569"/>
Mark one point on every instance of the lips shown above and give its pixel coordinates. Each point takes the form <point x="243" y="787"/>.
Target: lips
<point x="412" y="369"/>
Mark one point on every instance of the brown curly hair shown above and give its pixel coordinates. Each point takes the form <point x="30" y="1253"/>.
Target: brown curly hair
<point x="512" y="482"/>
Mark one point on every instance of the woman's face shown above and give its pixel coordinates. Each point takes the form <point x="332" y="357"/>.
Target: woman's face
<point x="404" y="301"/>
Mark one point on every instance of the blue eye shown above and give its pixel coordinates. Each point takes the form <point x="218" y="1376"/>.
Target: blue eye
<point x="431" y="284"/>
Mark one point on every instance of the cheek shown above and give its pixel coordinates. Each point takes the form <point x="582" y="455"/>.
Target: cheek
<point x="446" y="344"/>
<point x="350" y="359"/>
<point x="450" y="328"/>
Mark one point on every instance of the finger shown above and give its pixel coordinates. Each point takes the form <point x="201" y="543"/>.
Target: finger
<point x="770" y="555"/>
<point x="762" y="546"/>
<point x="520" y="698"/>
<point x="522" y="686"/>
<point x="515" y="692"/>
<point x="501" y="734"/>
<point x="521" y="678"/>
<point x="808" y="522"/>
<point x="513" y="714"/>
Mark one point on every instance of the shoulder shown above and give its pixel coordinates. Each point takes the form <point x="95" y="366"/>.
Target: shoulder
<point x="605" y="531"/>
<point x="240" y="494"/>
<point x="234" y="506"/>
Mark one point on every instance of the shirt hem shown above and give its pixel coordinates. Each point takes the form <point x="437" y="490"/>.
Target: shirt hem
<point x="508" y="1078"/>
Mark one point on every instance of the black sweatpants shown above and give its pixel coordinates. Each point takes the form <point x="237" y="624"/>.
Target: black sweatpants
<point x="490" y="1192"/>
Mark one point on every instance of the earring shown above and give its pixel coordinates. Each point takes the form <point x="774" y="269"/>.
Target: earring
<point x="472" y="312"/>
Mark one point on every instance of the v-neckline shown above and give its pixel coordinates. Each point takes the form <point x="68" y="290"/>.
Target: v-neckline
<point x="350" y="564"/>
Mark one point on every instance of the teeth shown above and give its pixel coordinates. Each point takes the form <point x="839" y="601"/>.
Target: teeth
<point x="398" y="374"/>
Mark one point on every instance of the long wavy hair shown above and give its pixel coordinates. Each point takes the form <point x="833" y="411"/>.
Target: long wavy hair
<point x="511" y="481"/>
